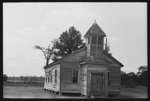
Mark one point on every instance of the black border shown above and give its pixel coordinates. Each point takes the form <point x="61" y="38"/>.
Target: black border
<point x="19" y="1"/>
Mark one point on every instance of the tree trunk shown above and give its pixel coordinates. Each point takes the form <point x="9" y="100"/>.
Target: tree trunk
<point x="47" y="60"/>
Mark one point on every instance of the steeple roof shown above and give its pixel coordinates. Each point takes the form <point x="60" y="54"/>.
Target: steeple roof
<point x="96" y="30"/>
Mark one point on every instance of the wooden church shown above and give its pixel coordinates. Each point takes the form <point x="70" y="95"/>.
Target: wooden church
<point x="90" y="71"/>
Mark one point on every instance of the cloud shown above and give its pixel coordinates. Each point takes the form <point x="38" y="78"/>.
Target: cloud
<point x="63" y="19"/>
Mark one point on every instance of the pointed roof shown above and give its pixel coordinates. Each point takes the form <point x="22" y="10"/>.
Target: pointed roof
<point x="96" y="30"/>
<point x="111" y="57"/>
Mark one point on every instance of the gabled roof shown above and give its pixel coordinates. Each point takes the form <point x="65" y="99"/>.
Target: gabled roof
<point x="95" y="30"/>
<point x="90" y="59"/>
<point x="57" y="62"/>
<point x="99" y="60"/>
<point x="115" y="60"/>
<point x="86" y="59"/>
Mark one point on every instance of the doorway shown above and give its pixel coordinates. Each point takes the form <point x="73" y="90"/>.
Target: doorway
<point x="97" y="83"/>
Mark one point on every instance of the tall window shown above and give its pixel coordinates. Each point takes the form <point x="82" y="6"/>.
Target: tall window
<point x="55" y="76"/>
<point x="48" y="79"/>
<point x="100" y="40"/>
<point x="108" y="78"/>
<point x="89" y="40"/>
<point x="75" y="76"/>
<point x="94" y="39"/>
<point x="50" y="76"/>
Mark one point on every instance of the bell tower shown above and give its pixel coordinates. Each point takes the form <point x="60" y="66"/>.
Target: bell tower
<point x="95" y="40"/>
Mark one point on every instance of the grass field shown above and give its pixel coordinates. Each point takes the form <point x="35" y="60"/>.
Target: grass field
<point x="36" y="91"/>
<point x="137" y="92"/>
<point x="33" y="90"/>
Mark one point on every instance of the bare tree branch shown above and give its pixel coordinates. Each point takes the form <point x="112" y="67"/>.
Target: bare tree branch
<point x="46" y="51"/>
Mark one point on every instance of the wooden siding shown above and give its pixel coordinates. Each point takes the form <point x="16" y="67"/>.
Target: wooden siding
<point x="114" y="78"/>
<point x="84" y="80"/>
<point x="67" y="84"/>
<point x="92" y="68"/>
<point x="52" y="85"/>
<point x="67" y="66"/>
<point x="108" y="59"/>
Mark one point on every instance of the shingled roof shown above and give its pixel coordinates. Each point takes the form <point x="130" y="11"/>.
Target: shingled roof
<point x="89" y="59"/>
<point x="57" y="62"/>
<point x="96" y="30"/>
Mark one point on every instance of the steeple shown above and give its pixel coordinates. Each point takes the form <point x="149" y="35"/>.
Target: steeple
<point x="95" y="21"/>
<point x="94" y="40"/>
<point x="95" y="30"/>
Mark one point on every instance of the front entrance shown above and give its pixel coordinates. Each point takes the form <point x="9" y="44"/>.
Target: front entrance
<point x="97" y="84"/>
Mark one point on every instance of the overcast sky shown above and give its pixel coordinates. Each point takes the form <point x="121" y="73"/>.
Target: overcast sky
<point x="28" y="24"/>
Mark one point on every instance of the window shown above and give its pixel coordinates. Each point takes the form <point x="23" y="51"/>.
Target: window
<point x="100" y="40"/>
<point x="51" y="78"/>
<point x="45" y="79"/>
<point x="94" y="40"/>
<point x="55" y="76"/>
<point x="88" y="40"/>
<point x="75" y="76"/>
<point x="108" y="78"/>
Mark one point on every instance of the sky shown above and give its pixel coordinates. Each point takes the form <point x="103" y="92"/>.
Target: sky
<point x="28" y="24"/>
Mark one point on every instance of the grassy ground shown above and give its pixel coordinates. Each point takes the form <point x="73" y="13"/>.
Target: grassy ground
<point x="137" y="92"/>
<point x="18" y="90"/>
<point x="32" y="90"/>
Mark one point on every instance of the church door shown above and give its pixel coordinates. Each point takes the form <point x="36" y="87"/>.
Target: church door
<point x="97" y="83"/>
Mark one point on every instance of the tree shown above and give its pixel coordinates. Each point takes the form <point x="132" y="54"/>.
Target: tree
<point x="46" y="51"/>
<point x="141" y="69"/>
<point x="132" y="79"/>
<point x="124" y="77"/>
<point x="129" y="79"/>
<point x="67" y="43"/>
<point x="143" y="75"/>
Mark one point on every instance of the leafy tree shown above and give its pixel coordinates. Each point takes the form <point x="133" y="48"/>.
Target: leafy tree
<point x="67" y="43"/>
<point x="46" y="51"/>
<point x="143" y="75"/>
<point x="132" y="79"/>
<point x="129" y="79"/>
<point x="141" y="69"/>
<point x="124" y="77"/>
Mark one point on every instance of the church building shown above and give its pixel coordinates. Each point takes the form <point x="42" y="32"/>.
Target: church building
<point x="90" y="71"/>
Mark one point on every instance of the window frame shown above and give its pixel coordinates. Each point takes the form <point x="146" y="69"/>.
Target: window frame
<point x="94" y="41"/>
<point x="56" y="75"/>
<point x="108" y="78"/>
<point x="88" y="39"/>
<point x="100" y="41"/>
<point x="75" y="76"/>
